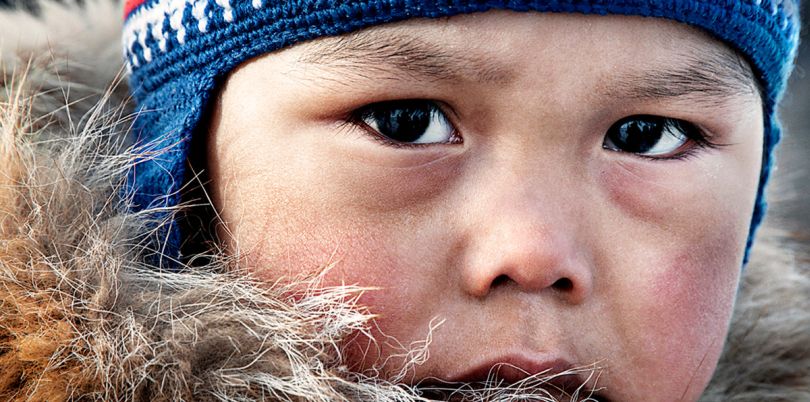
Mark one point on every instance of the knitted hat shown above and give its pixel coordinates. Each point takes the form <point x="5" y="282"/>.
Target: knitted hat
<point x="179" y="50"/>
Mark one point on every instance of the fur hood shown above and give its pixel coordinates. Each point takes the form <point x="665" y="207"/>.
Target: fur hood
<point x="84" y="316"/>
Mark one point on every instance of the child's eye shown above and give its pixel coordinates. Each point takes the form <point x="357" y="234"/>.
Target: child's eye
<point x="409" y="122"/>
<point x="652" y="136"/>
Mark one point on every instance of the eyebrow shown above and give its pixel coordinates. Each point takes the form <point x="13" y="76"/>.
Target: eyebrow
<point x="372" y="53"/>
<point x="710" y="76"/>
<point x="703" y="76"/>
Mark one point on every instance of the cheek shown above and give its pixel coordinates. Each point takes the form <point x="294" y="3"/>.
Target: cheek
<point x="373" y="254"/>
<point x="680" y="194"/>
<point x="359" y="225"/>
<point x="677" y="318"/>
<point x="671" y="287"/>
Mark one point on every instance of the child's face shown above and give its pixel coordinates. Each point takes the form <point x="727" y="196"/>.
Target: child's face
<point x="546" y="215"/>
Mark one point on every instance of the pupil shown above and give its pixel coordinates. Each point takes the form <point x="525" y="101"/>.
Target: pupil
<point x="403" y="123"/>
<point x="638" y="136"/>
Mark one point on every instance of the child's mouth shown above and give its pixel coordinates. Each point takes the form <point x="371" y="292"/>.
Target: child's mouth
<point x="500" y="390"/>
<point x="507" y="382"/>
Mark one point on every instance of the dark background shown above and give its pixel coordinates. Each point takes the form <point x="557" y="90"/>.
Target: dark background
<point x="789" y="191"/>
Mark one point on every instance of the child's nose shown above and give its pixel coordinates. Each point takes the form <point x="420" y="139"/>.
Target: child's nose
<point x="516" y="238"/>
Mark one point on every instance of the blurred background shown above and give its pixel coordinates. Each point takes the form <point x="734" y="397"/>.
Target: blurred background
<point x="789" y="191"/>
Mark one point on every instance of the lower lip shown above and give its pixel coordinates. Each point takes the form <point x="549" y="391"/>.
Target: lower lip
<point x="511" y="369"/>
<point x="514" y="368"/>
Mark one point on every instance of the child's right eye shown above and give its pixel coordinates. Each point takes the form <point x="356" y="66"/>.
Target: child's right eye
<point x="406" y="122"/>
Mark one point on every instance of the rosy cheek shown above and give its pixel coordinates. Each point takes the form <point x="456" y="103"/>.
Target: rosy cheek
<point x="679" y="316"/>
<point x="672" y="288"/>
<point x="691" y="298"/>
<point x="390" y="301"/>
<point x="401" y="274"/>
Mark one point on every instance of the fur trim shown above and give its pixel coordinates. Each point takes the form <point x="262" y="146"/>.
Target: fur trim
<point x="767" y="355"/>
<point x="84" y="317"/>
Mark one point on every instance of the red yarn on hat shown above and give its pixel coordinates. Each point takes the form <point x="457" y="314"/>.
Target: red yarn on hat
<point x="131" y="5"/>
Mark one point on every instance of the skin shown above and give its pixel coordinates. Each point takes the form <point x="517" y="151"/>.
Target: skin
<point x="528" y="237"/>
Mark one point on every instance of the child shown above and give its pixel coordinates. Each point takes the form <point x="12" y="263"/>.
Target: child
<point x="508" y="200"/>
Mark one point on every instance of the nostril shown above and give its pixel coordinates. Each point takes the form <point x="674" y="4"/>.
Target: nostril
<point x="563" y="284"/>
<point x="501" y="279"/>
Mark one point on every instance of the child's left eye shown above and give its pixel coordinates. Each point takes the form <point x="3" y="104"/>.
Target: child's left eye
<point x="653" y="137"/>
<point x="408" y="122"/>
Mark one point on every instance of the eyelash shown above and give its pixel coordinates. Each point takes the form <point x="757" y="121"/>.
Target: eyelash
<point x="701" y="139"/>
<point x="355" y="119"/>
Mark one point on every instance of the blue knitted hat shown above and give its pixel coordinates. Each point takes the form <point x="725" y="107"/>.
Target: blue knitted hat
<point x="179" y="50"/>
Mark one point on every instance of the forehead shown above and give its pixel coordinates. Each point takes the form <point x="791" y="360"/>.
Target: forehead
<point x="503" y="46"/>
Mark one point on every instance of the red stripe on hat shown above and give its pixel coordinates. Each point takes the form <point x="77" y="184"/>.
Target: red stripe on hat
<point x="131" y="5"/>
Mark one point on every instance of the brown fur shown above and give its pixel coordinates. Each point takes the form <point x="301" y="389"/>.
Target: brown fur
<point x="84" y="317"/>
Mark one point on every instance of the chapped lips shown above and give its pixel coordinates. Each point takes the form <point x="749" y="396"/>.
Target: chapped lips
<point x="555" y="376"/>
<point x="513" y="369"/>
